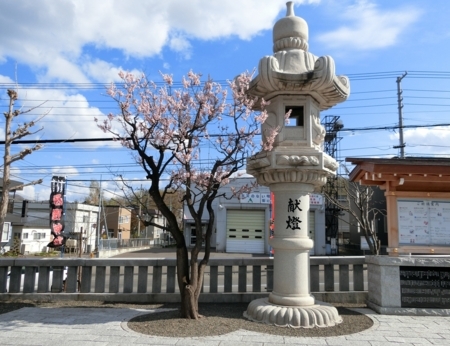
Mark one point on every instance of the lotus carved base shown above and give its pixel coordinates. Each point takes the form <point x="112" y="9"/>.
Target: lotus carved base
<point x="317" y="315"/>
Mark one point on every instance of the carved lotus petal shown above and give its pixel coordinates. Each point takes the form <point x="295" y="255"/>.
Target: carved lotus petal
<point x="330" y="163"/>
<point x="318" y="315"/>
<point x="295" y="160"/>
<point x="298" y="160"/>
<point x="314" y="160"/>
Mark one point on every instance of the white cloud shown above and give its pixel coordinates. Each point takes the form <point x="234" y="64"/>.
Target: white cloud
<point x="103" y="71"/>
<point x="66" y="114"/>
<point x="426" y="141"/>
<point x="65" y="171"/>
<point x="62" y="70"/>
<point x="5" y="79"/>
<point x="180" y="44"/>
<point x="53" y="37"/>
<point x="370" y="27"/>
<point x="28" y="193"/>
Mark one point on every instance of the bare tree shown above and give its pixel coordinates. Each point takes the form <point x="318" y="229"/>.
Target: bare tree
<point x="165" y="128"/>
<point x="11" y="135"/>
<point x="94" y="193"/>
<point x="357" y="201"/>
<point x="144" y="206"/>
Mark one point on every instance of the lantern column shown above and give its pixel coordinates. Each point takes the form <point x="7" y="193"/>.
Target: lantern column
<point x="298" y="85"/>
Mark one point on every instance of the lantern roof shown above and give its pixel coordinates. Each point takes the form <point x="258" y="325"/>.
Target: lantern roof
<point x="293" y="70"/>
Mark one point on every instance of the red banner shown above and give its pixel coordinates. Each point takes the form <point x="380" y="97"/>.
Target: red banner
<point x="58" y="187"/>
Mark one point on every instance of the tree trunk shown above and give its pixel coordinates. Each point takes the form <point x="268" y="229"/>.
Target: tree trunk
<point x="183" y="278"/>
<point x="190" y="288"/>
<point x="378" y="247"/>
<point x="6" y="167"/>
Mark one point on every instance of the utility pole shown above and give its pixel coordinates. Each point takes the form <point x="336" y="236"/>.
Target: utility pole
<point x="140" y="213"/>
<point x="99" y="218"/>
<point x="400" y="116"/>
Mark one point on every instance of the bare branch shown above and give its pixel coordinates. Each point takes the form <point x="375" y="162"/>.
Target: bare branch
<point x="34" y="182"/>
<point x="357" y="201"/>
<point x="20" y="132"/>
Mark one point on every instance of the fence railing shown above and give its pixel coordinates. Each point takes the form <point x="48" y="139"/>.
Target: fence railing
<point x="113" y="244"/>
<point x="333" y="279"/>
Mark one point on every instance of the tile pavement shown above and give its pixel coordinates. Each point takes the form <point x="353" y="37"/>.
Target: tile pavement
<point x="108" y="327"/>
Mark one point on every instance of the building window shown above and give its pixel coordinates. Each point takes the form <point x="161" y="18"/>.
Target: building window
<point x="123" y="219"/>
<point x="25" y="236"/>
<point x="38" y="235"/>
<point x="5" y="233"/>
<point x="16" y="235"/>
<point x="194" y="235"/>
<point x="296" y="117"/>
<point x="85" y="218"/>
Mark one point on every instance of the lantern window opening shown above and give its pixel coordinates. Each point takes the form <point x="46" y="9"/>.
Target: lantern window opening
<point x="296" y="118"/>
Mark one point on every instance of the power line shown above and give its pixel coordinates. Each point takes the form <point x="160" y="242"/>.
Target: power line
<point x="110" y="139"/>
<point x="105" y="85"/>
<point x="391" y="127"/>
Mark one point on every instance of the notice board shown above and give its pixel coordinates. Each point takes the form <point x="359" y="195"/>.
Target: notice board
<point x="423" y="222"/>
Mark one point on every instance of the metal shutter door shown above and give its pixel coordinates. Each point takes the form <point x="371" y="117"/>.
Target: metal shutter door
<point x="245" y="231"/>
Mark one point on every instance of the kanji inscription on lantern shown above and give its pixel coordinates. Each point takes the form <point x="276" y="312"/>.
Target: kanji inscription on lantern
<point x="293" y="222"/>
<point x="293" y="205"/>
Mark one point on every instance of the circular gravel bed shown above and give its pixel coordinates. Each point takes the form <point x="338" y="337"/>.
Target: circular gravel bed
<point x="218" y="319"/>
<point x="225" y="318"/>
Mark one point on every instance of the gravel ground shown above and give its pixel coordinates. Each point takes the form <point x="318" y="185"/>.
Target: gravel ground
<point x="224" y="318"/>
<point x="218" y="319"/>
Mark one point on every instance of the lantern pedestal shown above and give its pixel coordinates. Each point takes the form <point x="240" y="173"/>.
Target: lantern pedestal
<point x="317" y="315"/>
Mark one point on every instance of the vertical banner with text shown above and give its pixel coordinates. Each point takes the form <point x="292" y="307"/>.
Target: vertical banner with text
<point x="58" y="186"/>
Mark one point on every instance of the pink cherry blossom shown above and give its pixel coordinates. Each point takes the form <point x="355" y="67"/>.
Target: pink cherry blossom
<point x="190" y="139"/>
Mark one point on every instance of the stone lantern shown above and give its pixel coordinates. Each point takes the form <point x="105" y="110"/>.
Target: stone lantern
<point x="300" y="84"/>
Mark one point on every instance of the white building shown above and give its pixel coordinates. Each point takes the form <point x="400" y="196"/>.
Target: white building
<point x="82" y="219"/>
<point x="153" y="232"/>
<point x="243" y="225"/>
<point x="30" y="223"/>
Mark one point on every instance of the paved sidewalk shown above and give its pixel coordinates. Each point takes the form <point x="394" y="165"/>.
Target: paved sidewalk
<point x="108" y="327"/>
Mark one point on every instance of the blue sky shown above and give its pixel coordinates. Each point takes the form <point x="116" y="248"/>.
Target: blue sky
<point x="63" y="52"/>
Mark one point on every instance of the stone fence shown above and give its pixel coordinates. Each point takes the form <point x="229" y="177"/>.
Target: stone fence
<point x="333" y="279"/>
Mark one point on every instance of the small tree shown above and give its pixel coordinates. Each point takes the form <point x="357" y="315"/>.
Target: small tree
<point x="165" y="127"/>
<point x="94" y="193"/>
<point x="11" y="135"/>
<point x="357" y="201"/>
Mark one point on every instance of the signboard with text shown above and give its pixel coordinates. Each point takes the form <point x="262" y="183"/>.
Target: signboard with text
<point x="423" y="222"/>
<point x="255" y="197"/>
<point x="315" y="199"/>
<point x="425" y="287"/>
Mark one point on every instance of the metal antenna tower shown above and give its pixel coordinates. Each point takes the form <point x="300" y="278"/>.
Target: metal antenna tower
<point x="332" y="126"/>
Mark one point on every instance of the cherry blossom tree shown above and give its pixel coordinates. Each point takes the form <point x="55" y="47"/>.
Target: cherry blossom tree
<point x="164" y="127"/>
